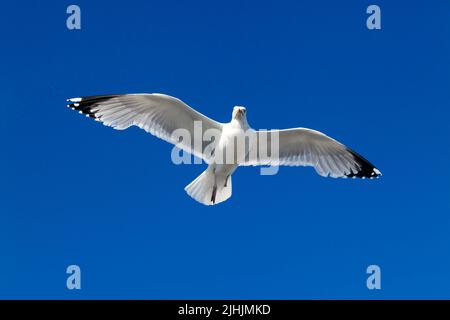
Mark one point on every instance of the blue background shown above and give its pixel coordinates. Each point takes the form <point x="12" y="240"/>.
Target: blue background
<point x="75" y="192"/>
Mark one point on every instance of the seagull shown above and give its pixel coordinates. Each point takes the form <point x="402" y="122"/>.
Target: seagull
<point x="161" y="115"/>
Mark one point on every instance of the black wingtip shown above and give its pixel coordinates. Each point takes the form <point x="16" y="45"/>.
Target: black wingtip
<point x="85" y="104"/>
<point x="365" y="170"/>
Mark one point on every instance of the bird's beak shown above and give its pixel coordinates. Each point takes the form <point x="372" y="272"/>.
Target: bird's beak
<point x="240" y="111"/>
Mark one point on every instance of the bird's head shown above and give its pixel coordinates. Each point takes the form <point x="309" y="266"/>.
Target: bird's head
<point x="240" y="113"/>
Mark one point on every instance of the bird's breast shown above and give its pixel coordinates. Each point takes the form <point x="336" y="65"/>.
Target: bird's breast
<point x="232" y="146"/>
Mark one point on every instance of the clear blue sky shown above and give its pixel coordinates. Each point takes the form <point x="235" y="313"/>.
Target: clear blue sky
<point x="76" y="192"/>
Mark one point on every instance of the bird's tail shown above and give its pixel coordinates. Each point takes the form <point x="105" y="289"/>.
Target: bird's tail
<point x="209" y="188"/>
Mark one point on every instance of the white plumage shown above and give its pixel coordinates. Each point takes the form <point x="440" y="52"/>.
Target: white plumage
<point x="162" y="115"/>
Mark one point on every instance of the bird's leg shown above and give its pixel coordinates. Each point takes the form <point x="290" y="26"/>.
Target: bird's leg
<point x="213" y="196"/>
<point x="226" y="181"/>
<point x="214" y="191"/>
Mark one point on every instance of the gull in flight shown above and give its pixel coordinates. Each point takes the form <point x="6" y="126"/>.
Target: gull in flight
<point x="161" y="115"/>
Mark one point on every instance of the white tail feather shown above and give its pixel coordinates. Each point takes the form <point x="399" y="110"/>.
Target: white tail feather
<point x="201" y="189"/>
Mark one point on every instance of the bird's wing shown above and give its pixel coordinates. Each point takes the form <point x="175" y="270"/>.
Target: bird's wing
<point x="306" y="147"/>
<point x="157" y="114"/>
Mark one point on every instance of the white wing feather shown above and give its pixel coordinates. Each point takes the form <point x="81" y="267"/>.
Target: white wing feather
<point x="157" y="114"/>
<point x="306" y="147"/>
